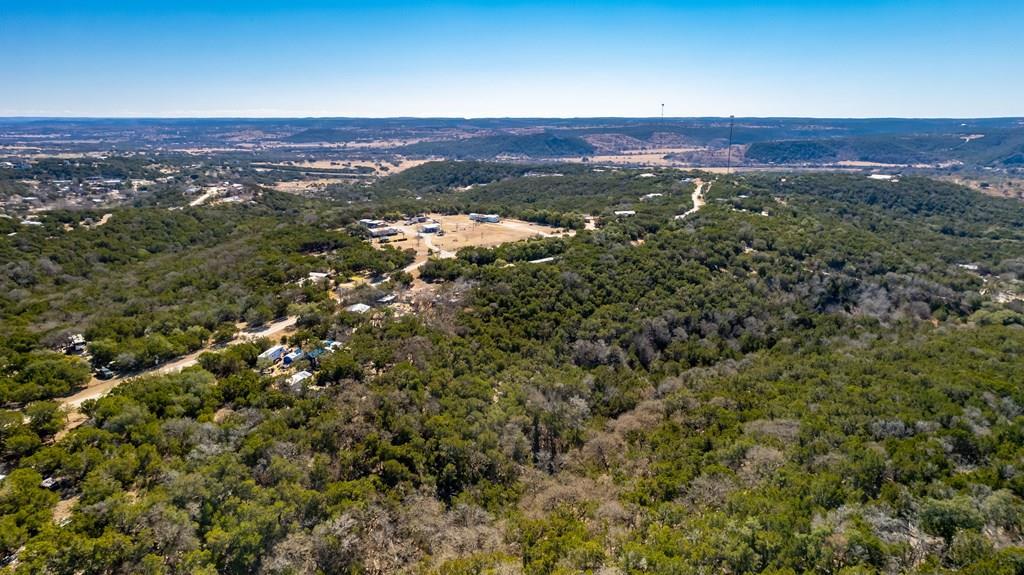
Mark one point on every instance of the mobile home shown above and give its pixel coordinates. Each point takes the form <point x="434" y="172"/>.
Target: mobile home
<point x="485" y="218"/>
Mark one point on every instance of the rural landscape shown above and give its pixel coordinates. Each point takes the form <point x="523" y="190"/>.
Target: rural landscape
<point x="511" y="288"/>
<point x="214" y="361"/>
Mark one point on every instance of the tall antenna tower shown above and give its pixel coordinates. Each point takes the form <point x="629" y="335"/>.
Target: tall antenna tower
<point x="728" y="169"/>
<point x="663" y="114"/>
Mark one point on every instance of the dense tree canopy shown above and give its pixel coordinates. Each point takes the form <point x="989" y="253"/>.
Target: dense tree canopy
<point x="812" y="374"/>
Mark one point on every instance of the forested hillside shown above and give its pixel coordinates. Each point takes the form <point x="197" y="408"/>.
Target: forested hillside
<point x="152" y="284"/>
<point x="1002" y="147"/>
<point x="559" y="195"/>
<point x="545" y="145"/>
<point x="810" y="374"/>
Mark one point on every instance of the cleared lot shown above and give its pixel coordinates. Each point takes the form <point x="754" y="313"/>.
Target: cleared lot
<point x="461" y="232"/>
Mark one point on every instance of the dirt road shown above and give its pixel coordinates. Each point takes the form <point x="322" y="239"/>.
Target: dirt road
<point x="698" y="200"/>
<point x="206" y="195"/>
<point x="100" y="387"/>
<point x="531" y="228"/>
<point x="428" y="241"/>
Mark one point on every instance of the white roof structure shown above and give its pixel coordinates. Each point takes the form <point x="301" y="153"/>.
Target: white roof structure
<point x="358" y="308"/>
<point x="272" y="351"/>
<point x="299" y="377"/>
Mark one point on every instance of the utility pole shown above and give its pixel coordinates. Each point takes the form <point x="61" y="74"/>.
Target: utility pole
<point x="728" y="169"/>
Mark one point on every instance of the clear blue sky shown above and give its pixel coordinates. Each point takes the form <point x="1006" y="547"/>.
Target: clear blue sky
<point x="856" y="58"/>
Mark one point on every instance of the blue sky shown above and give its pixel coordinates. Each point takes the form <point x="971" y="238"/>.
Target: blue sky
<point x="911" y="58"/>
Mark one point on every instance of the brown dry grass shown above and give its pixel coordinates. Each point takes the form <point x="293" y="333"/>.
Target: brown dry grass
<point x="461" y="232"/>
<point x="654" y="157"/>
<point x="998" y="186"/>
<point x="306" y="185"/>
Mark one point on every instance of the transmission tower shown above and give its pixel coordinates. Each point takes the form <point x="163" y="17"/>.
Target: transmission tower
<point x="728" y="169"/>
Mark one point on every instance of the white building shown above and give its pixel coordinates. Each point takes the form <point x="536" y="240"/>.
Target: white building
<point x="315" y="278"/>
<point x="485" y="218"/>
<point x="383" y="232"/>
<point x="274" y="353"/>
<point x="299" y="378"/>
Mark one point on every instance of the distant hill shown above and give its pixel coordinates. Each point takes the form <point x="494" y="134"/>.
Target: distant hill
<point x="321" y="135"/>
<point x="983" y="142"/>
<point x="792" y="152"/>
<point x="544" y="145"/>
<point x="1003" y="147"/>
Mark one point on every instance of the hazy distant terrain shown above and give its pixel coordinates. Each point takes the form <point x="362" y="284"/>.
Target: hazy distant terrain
<point x="996" y="143"/>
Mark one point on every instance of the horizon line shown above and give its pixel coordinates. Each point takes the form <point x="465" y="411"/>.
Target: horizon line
<point x="442" y="117"/>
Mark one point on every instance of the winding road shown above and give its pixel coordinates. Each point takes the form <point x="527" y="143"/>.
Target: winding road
<point x="698" y="200"/>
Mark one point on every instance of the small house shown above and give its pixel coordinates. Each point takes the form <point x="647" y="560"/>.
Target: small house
<point x="430" y="228"/>
<point x="386" y="299"/>
<point x="358" y="308"/>
<point x="318" y="278"/>
<point x="625" y="213"/>
<point x="371" y="224"/>
<point x="76" y="344"/>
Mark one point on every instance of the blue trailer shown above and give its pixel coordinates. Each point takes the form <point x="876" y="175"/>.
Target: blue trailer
<point x="293" y="356"/>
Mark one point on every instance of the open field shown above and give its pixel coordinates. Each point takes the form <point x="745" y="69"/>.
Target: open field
<point x="461" y="232"/>
<point x="647" y="157"/>
<point x="380" y="167"/>
<point x="298" y="186"/>
<point x="993" y="185"/>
